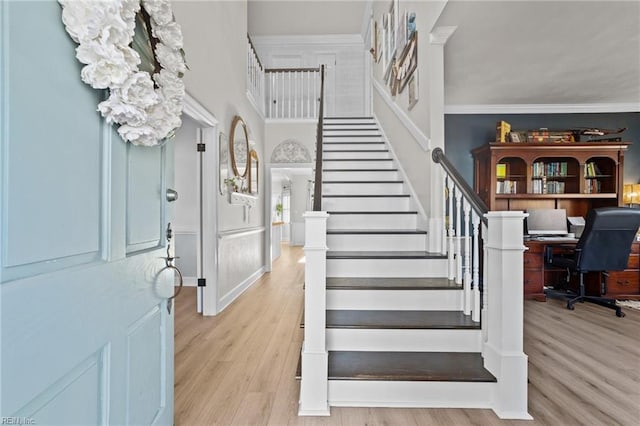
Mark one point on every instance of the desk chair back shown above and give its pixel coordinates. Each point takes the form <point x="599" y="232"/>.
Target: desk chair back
<point x="606" y="241"/>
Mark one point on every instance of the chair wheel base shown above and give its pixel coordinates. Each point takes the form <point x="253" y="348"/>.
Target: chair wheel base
<point x="570" y="306"/>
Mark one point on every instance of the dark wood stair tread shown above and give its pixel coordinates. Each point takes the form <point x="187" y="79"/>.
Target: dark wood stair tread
<point x="376" y="231"/>
<point x="366" y="196"/>
<point x="407" y="320"/>
<point x="369" y="135"/>
<point x="408" y="366"/>
<point x="364" y="283"/>
<point x="359" y="170"/>
<point x="374" y="212"/>
<point x="362" y="181"/>
<point x="357" y="159"/>
<point x="355" y="150"/>
<point x="384" y="255"/>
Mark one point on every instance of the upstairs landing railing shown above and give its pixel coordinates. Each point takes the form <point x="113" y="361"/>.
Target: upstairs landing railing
<point x="283" y="93"/>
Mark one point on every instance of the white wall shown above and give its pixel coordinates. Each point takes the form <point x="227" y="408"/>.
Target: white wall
<point x="215" y="39"/>
<point x="410" y="131"/>
<point x="349" y="67"/>
<point x="299" y="197"/>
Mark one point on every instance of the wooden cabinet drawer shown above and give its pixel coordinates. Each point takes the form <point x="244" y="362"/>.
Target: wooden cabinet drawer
<point x="623" y="282"/>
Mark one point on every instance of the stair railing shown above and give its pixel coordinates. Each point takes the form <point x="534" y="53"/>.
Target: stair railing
<point x="314" y="380"/>
<point x="255" y="77"/>
<point x="497" y="300"/>
<point x="293" y="93"/>
<point x="462" y="242"/>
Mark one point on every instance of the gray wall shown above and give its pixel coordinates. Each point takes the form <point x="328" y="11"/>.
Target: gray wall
<point x="464" y="132"/>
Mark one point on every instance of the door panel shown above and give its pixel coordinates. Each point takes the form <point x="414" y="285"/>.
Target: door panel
<point x="86" y="335"/>
<point x="144" y="196"/>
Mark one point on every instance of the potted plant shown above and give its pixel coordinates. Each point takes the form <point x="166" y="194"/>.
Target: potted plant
<point x="279" y="211"/>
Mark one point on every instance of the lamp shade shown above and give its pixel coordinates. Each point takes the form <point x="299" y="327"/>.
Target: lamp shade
<point x="631" y="193"/>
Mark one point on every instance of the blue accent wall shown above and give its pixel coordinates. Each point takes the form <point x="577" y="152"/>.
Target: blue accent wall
<point x="464" y="132"/>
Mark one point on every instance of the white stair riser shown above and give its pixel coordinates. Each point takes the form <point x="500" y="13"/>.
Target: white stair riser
<point x="362" y="188"/>
<point x="350" y="126"/>
<point x="377" y="242"/>
<point x="397" y="300"/>
<point x="372" y="221"/>
<point x="399" y="340"/>
<point x="387" y="268"/>
<point x="348" y="139"/>
<point x="381" y="164"/>
<point x="352" y="132"/>
<point x="365" y="203"/>
<point x="358" y="154"/>
<point x="371" y="393"/>
<point x="346" y="146"/>
<point x="359" y="176"/>
<point x="350" y="120"/>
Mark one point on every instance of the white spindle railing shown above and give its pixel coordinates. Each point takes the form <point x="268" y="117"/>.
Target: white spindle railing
<point x="499" y="307"/>
<point x="255" y="77"/>
<point x="292" y="93"/>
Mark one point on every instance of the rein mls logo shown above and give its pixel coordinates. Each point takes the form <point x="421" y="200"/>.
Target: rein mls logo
<point x="17" y="421"/>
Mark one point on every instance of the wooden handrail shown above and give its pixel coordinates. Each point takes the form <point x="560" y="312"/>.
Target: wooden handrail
<point x="255" y="52"/>
<point x="474" y="199"/>
<point x="292" y="70"/>
<point x="317" y="192"/>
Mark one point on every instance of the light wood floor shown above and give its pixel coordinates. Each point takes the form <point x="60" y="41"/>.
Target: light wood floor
<point x="238" y="368"/>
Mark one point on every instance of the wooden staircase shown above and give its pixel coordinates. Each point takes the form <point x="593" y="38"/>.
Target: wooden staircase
<point x="396" y="334"/>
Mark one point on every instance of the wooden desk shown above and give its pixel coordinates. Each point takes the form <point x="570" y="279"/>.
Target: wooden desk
<point x="620" y="284"/>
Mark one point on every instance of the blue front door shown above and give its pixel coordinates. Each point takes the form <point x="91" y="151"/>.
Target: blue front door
<point x="86" y="337"/>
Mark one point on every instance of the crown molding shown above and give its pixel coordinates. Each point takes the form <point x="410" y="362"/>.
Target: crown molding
<point x="542" y="108"/>
<point x="328" y="39"/>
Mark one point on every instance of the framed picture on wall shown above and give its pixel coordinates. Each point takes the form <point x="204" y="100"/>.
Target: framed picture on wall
<point x="408" y="62"/>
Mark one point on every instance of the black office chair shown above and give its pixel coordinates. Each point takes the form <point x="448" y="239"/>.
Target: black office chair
<point x="603" y="246"/>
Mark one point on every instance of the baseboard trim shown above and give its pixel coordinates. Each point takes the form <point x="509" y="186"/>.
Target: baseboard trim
<point x="232" y="295"/>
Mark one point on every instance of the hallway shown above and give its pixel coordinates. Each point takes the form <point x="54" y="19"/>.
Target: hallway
<point x="238" y="368"/>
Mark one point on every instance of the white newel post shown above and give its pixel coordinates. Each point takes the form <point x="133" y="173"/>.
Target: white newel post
<point x="315" y="358"/>
<point x="504" y="356"/>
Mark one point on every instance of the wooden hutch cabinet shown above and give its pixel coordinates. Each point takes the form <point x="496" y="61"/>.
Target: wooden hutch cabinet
<point x="573" y="176"/>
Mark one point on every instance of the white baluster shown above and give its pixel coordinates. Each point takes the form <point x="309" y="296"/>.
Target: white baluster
<point x="272" y="96"/>
<point x="467" y="258"/>
<point x="289" y="94"/>
<point x="452" y="234"/>
<point x="443" y="249"/>
<point x="308" y="94"/>
<point x="475" y="221"/>
<point x="486" y="288"/>
<point x="297" y="94"/>
<point x="282" y="95"/>
<point x="458" y="236"/>
<point x="315" y="95"/>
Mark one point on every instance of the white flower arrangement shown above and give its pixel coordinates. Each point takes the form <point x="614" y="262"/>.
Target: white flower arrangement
<point x="147" y="108"/>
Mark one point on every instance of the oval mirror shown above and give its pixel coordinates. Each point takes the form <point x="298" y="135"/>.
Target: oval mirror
<point x="239" y="147"/>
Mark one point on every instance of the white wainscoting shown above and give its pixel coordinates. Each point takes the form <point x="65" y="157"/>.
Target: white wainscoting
<point x="241" y="262"/>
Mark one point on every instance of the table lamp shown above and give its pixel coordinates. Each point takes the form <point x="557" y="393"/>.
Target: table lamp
<point x="631" y="194"/>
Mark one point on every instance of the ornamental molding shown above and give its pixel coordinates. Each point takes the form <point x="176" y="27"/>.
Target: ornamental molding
<point x="290" y="151"/>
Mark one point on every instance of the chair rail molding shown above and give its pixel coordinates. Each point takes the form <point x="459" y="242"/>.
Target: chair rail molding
<point x="542" y="108"/>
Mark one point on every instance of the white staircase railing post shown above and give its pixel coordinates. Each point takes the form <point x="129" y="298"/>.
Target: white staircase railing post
<point x="475" y="221"/>
<point x="467" y="258"/>
<point x="451" y="239"/>
<point x="458" y="232"/>
<point x="503" y="352"/>
<point x="315" y="358"/>
<point x="484" y="309"/>
<point x="443" y="249"/>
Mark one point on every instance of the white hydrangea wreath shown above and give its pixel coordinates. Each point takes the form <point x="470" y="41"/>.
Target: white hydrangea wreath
<point x="146" y="112"/>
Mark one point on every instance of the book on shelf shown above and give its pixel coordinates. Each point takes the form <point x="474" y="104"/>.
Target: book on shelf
<point x="507" y="187"/>
<point x="501" y="170"/>
<point x="591" y="169"/>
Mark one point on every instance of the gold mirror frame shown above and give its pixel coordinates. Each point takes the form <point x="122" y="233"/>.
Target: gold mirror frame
<point x="254" y="173"/>
<point x="238" y="121"/>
